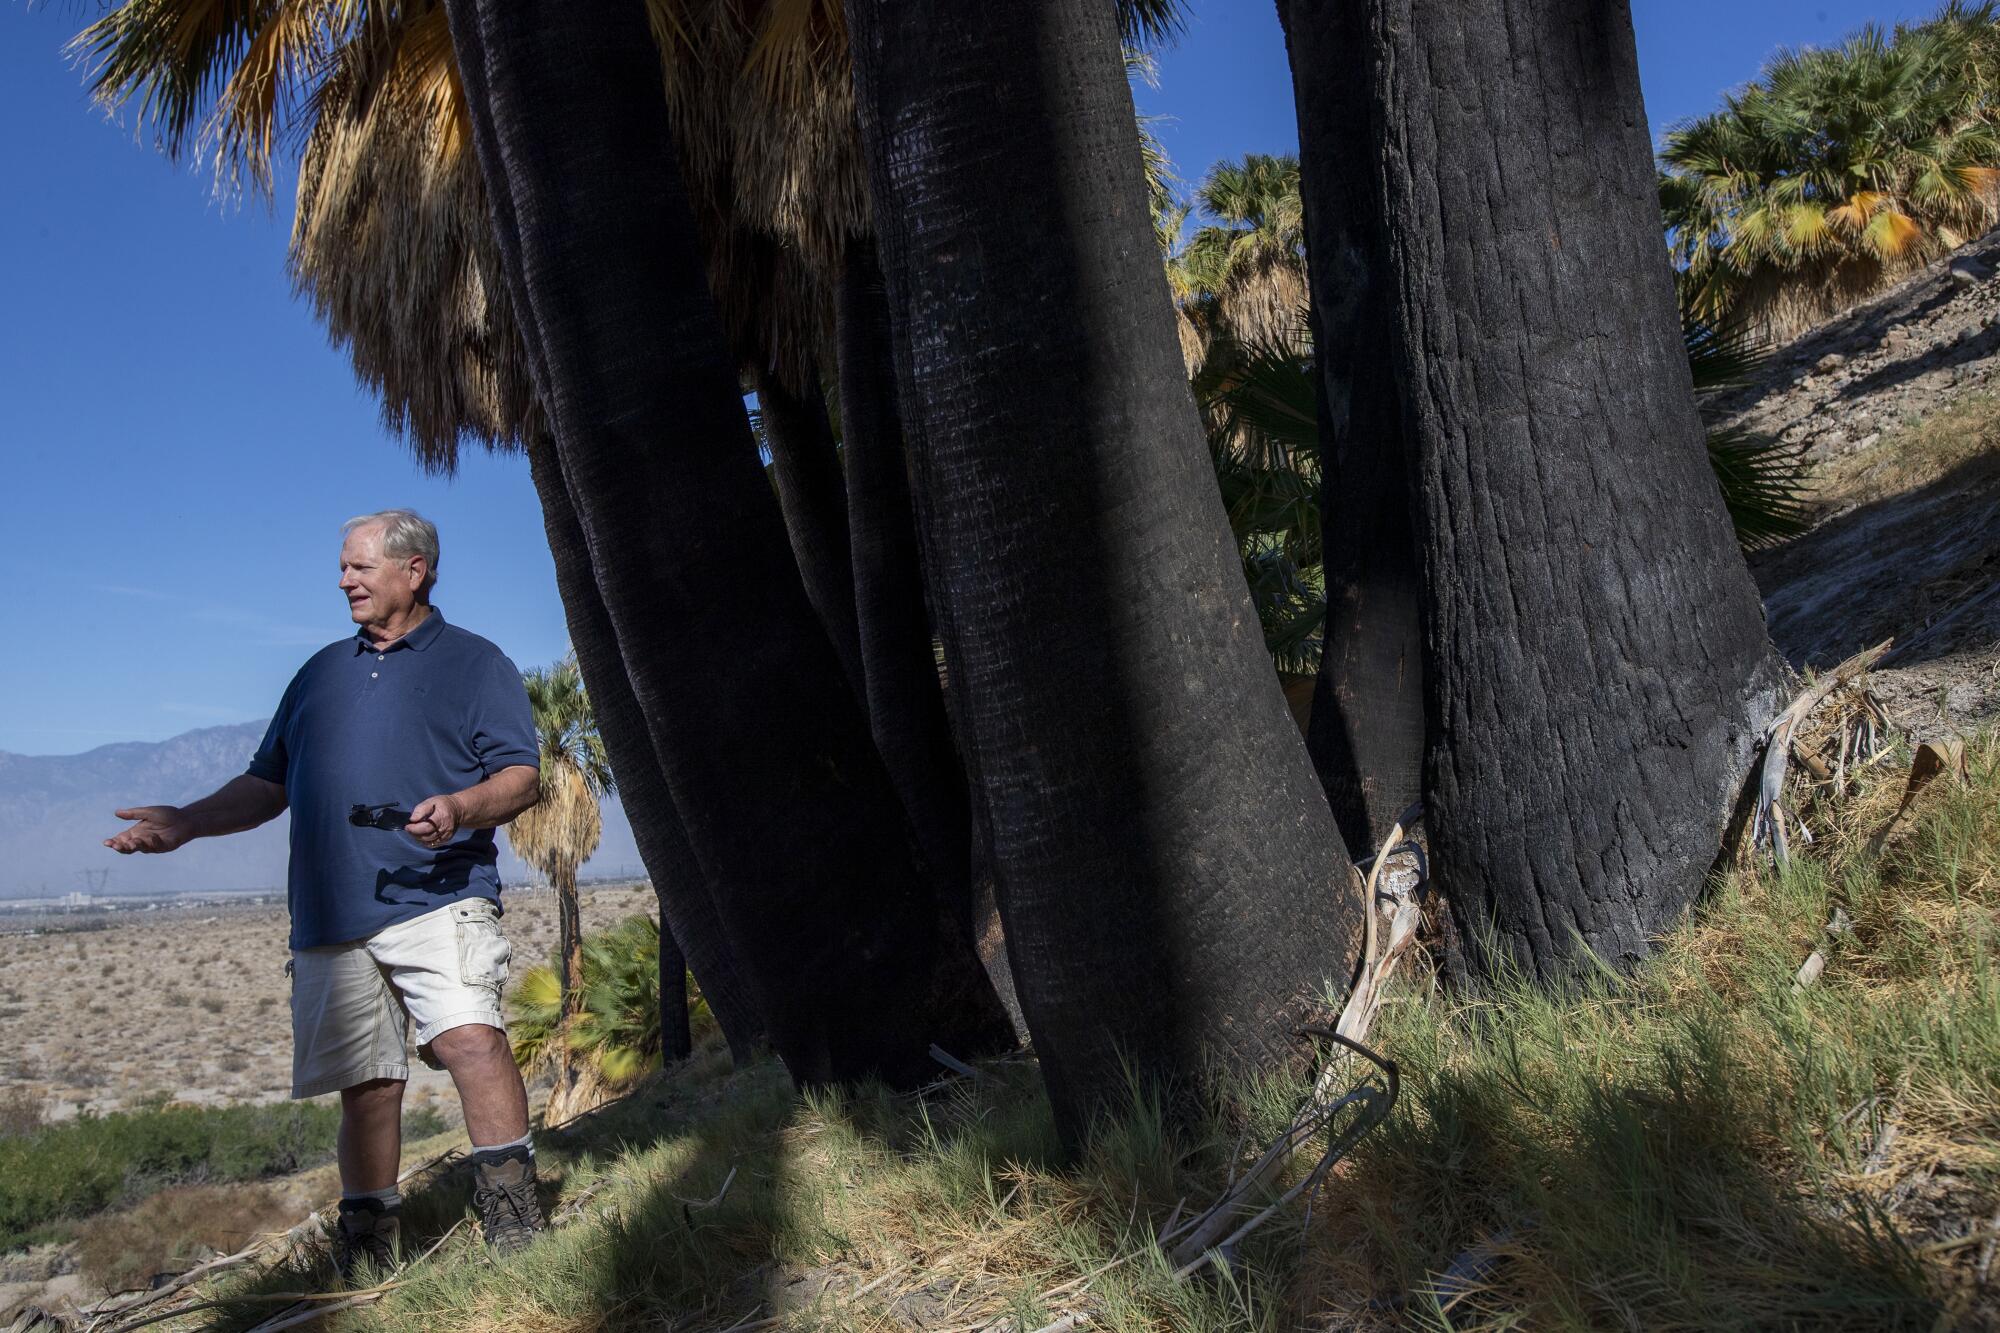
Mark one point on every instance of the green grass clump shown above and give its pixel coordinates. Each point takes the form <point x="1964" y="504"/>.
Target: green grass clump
<point x="68" y="1171"/>
<point x="1706" y="1144"/>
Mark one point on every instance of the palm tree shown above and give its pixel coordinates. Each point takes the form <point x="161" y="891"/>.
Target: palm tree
<point x="770" y="171"/>
<point x="1243" y="270"/>
<point x="614" y="1035"/>
<point x="559" y="832"/>
<point x="392" y="244"/>
<point x="1171" y="882"/>
<point x="1836" y="172"/>
<point x="1596" y="671"/>
<point x="1366" y="729"/>
<point x="784" y="800"/>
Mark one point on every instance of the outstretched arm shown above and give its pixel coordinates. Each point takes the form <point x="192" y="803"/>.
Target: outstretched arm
<point x="242" y="803"/>
<point x="487" y="805"/>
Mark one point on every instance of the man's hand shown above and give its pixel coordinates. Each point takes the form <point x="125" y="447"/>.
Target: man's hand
<point x="434" y="821"/>
<point x="242" y="802"/>
<point x="161" y="828"/>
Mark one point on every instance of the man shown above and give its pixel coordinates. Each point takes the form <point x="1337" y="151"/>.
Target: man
<point x="393" y="925"/>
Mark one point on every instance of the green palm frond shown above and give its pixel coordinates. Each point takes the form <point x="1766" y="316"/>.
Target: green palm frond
<point x="565" y="725"/>
<point x="535" y="1012"/>
<point x="618" y="1030"/>
<point x="1725" y="355"/>
<point x="1154" y="21"/>
<point x="1838" y="170"/>
<point x="1241" y="273"/>
<point x="1763" y="486"/>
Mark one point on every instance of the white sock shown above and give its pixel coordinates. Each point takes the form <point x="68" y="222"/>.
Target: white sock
<point x="388" y="1198"/>
<point x="525" y="1141"/>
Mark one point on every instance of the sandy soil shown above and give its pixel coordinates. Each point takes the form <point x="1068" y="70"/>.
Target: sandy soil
<point x="194" y="1004"/>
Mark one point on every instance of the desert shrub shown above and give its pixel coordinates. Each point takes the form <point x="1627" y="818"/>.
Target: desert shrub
<point x="176" y="1228"/>
<point x="618" y="1031"/>
<point x="22" y="1111"/>
<point x="69" y="1171"/>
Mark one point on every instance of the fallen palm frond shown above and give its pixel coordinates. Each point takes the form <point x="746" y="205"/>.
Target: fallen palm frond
<point x="1859" y="731"/>
<point x="1214" y="1232"/>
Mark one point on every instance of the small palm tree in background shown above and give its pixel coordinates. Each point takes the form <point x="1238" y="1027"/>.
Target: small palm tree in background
<point x="559" y="833"/>
<point x="1241" y="274"/>
<point x="614" y="1035"/>
<point x="1836" y="172"/>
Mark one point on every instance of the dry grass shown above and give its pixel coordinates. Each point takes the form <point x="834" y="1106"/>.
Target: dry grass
<point x="177" y="1228"/>
<point x="22" y="1112"/>
<point x="1707" y="1144"/>
<point x="1702" y="1145"/>
<point x="1911" y="457"/>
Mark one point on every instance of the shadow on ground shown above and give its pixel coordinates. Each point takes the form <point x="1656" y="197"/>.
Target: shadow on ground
<point x="1922" y="567"/>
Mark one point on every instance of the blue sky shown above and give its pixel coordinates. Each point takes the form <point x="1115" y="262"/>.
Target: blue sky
<point x="180" y="443"/>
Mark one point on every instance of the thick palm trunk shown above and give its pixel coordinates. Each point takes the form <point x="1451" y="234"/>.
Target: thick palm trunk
<point x="1596" y="663"/>
<point x="676" y="1035"/>
<point x="687" y="912"/>
<point x="906" y="706"/>
<point x="1172" y="885"/>
<point x="569" y="950"/>
<point x="805" y="466"/>
<point x="782" y="797"/>
<point x="1367" y="729"/>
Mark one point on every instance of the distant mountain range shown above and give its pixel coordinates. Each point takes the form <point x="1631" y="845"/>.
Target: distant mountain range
<point x="55" y="812"/>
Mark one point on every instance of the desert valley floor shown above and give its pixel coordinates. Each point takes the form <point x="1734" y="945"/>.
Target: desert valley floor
<point x="191" y="1004"/>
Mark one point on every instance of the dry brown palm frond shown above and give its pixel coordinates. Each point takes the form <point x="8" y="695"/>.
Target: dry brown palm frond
<point x="228" y="78"/>
<point x="1194" y="347"/>
<point x="762" y="116"/>
<point x="1777" y="306"/>
<point x="561" y="830"/>
<point x="1261" y="303"/>
<point x="392" y="245"/>
<point x="776" y="305"/>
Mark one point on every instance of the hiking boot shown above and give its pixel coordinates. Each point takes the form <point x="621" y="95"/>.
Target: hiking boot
<point x="503" y="1189"/>
<point x="368" y="1232"/>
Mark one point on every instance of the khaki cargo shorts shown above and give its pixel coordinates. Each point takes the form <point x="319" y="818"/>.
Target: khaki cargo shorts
<point x="353" y="1004"/>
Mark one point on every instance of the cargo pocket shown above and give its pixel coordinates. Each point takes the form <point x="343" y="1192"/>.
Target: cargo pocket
<point x="483" y="951"/>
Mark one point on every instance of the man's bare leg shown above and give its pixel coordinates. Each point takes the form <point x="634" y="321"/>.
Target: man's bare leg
<point x="489" y="1085"/>
<point x="371" y="1136"/>
<point x="496" y="1120"/>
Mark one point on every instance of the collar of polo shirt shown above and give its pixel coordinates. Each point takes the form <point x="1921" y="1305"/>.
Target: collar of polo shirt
<point x="417" y="639"/>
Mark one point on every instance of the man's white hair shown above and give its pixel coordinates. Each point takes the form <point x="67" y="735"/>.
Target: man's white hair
<point x="405" y="533"/>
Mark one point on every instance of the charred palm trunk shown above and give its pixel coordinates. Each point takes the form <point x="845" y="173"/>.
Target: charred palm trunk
<point x="813" y="498"/>
<point x="569" y="947"/>
<point x="687" y="913"/>
<point x="676" y="1035"/>
<point x="1597" y="670"/>
<point x="1172" y="885"/>
<point x="782" y="797"/>
<point x="1367" y="729"/>
<point x="906" y="706"/>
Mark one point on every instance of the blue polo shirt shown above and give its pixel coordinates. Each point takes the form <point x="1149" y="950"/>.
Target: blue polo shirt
<point x="435" y="712"/>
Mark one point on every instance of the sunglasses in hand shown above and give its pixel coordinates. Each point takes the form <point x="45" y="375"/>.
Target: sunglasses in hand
<point x="377" y="816"/>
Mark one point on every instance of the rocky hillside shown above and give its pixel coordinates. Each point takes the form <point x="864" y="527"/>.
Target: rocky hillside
<point x="1896" y="405"/>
